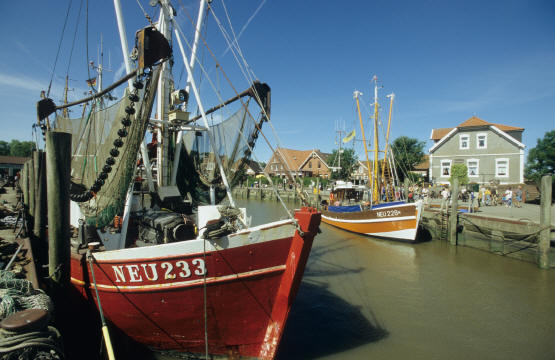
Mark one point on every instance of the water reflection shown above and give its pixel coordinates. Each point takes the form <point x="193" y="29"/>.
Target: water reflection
<point x="365" y="298"/>
<point x="321" y="323"/>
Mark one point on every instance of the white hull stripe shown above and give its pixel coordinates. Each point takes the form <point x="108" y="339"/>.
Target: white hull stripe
<point x="259" y="234"/>
<point x="391" y="219"/>
<point x="182" y="284"/>
<point x="409" y="234"/>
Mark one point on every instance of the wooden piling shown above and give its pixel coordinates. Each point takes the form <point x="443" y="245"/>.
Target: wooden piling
<point x="58" y="159"/>
<point x="39" y="227"/>
<point x="24" y="183"/>
<point x="545" y="222"/>
<point x="31" y="178"/>
<point x="453" y="216"/>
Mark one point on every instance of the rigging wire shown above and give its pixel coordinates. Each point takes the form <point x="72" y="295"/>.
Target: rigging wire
<point x="242" y="103"/>
<point x="250" y="78"/>
<point x="87" y="43"/>
<point x="145" y="13"/>
<point x="74" y="37"/>
<point x="59" y="48"/>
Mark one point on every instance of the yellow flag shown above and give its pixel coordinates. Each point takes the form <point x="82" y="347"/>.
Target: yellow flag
<point x="350" y="136"/>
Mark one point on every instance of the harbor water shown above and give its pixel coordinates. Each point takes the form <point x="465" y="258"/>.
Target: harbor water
<point x="366" y="298"/>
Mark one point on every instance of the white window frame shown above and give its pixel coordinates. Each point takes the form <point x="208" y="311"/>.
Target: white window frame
<point x="477" y="161"/>
<point x="442" y="167"/>
<point x="485" y="135"/>
<point x="497" y="161"/>
<point x="461" y="137"/>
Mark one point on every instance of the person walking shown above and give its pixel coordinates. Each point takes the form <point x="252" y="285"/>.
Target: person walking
<point x="509" y="198"/>
<point x="488" y="197"/>
<point x="445" y="198"/>
<point x="518" y="196"/>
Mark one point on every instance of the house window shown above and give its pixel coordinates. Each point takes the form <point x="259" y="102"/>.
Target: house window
<point x="472" y="165"/>
<point x="319" y="165"/>
<point x="310" y="165"/>
<point x="501" y="167"/>
<point x="464" y="141"/>
<point x="445" y="168"/>
<point x="482" y="141"/>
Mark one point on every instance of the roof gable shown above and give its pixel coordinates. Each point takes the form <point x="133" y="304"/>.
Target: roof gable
<point x="438" y="134"/>
<point x="318" y="154"/>
<point x="474" y="121"/>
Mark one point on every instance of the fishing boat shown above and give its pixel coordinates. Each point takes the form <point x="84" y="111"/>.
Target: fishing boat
<point x="380" y="216"/>
<point x="163" y="267"/>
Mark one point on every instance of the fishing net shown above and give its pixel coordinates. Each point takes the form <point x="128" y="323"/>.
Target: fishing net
<point x="19" y="294"/>
<point x="198" y="170"/>
<point x="94" y="136"/>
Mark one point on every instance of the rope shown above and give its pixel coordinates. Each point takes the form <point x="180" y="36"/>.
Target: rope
<point x="59" y="48"/>
<point x="43" y="344"/>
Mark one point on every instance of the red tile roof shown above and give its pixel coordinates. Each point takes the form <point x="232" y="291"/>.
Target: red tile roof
<point x="437" y="134"/>
<point x="424" y="164"/>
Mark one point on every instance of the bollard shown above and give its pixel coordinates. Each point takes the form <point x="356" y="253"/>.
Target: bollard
<point x="453" y="216"/>
<point x="39" y="227"/>
<point x="545" y="222"/>
<point x="58" y="162"/>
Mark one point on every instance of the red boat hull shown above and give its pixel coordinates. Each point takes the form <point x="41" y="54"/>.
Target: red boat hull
<point x="238" y="289"/>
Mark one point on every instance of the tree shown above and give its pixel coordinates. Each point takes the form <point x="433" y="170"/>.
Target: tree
<point x="541" y="159"/>
<point x="4" y="148"/>
<point x="21" y="148"/>
<point x="459" y="171"/>
<point x="408" y="153"/>
<point x="348" y="163"/>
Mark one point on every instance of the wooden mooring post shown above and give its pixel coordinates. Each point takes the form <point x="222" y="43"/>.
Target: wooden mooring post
<point x="58" y="161"/>
<point x="39" y="227"/>
<point x="31" y="178"/>
<point x="25" y="184"/>
<point x="454" y="209"/>
<point x="545" y="222"/>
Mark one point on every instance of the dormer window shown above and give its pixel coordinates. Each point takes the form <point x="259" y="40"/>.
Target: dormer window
<point x="482" y="141"/>
<point x="464" y="142"/>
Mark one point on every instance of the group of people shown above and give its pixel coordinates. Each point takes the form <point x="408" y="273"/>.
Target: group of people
<point x="486" y="196"/>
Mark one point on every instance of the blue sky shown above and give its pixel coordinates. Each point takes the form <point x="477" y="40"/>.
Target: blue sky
<point x="444" y="60"/>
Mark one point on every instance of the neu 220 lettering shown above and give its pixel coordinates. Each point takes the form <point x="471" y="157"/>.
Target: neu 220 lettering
<point x="154" y="271"/>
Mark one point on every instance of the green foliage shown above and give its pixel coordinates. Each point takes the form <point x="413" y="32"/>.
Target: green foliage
<point x="17" y="148"/>
<point x="541" y="159"/>
<point x="459" y="171"/>
<point x="348" y="163"/>
<point x="21" y="148"/>
<point x="408" y="153"/>
<point x="4" y="148"/>
<point x="413" y="178"/>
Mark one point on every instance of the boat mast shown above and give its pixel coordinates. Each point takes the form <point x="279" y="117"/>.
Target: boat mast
<point x="179" y="141"/>
<point x="375" y="180"/>
<point x="196" y="93"/>
<point x="163" y="106"/>
<point x="391" y="98"/>
<point x="65" y="111"/>
<point x="357" y="94"/>
<point x="127" y="62"/>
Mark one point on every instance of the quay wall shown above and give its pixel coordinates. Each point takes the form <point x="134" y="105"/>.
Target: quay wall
<point x="517" y="239"/>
